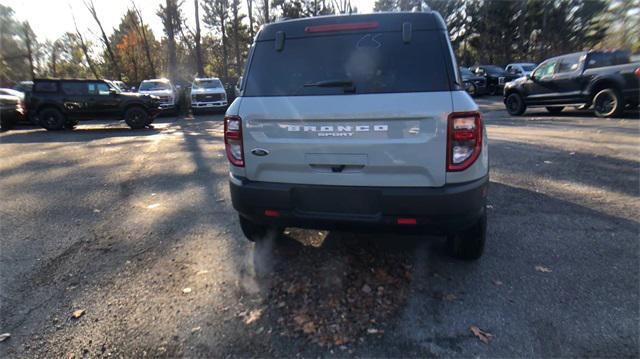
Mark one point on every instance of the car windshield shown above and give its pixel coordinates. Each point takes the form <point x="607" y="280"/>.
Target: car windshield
<point x="207" y="84"/>
<point x="494" y="70"/>
<point x="154" y="86"/>
<point x="353" y="63"/>
<point x="466" y="72"/>
<point x="528" y="67"/>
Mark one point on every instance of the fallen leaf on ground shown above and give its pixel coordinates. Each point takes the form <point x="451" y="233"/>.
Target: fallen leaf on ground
<point x="195" y="330"/>
<point x="4" y="336"/>
<point x="497" y="282"/>
<point x="548" y="162"/>
<point x="152" y="206"/>
<point x="253" y="316"/>
<point x="543" y="269"/>
<point x="78" y="313"/>
<point x="372" y="331"/>
<point x="484" y="337"/>
<point x="186" y="290"/>
<point x="300" y="319"/>
<point x="202" y="272"/>
<point x="309" y="328"/>
<point x="449" y="297"/>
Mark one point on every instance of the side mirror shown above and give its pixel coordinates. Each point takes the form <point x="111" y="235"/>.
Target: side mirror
<point x="113" y="92"/>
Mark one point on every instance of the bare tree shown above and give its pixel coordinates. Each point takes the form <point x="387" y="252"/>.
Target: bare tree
<point x="172" y="21"/>
<point x="142" y="31"/>
<point x="92" y="9"/>
<point x="343" y="6"/>
<point x="216" y="16"/>
<point x="83" y="46"/>
<point x="265" y="11"/>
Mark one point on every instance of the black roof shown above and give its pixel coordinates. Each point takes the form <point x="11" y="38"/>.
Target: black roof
<point x="386" y="21"/>
<point x="69" y="80"/>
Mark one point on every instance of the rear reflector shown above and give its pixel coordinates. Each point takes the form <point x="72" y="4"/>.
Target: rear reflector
<point x="342" y="27"/>
<point x="407" y="221"/>
<point x="271" y="213"/>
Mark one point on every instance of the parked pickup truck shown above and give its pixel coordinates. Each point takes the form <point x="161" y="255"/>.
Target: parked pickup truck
<point x="59" y="104"/>
<point x="606" y="80"/>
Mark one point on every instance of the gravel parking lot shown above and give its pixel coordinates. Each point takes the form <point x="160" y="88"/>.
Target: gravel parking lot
<point x="134" y="233"/>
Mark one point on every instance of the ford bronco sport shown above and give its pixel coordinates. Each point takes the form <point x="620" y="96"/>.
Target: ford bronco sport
<point x="358" y="121"/>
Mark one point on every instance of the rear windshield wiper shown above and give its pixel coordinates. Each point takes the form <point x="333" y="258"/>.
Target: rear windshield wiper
<point x="346" y="84"/>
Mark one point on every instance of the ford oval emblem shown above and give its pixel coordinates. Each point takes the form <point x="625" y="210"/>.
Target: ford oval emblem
<point x="259" y="152"/>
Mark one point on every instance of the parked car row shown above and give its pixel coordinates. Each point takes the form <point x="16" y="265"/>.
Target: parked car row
<point x="608" y="81"/>
<point x="490" y="79"/>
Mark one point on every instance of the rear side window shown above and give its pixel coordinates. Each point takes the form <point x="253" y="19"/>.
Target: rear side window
<point x="45" y="86"/>
<point x="98" y="88"/>
<point x="601" y="59"/>
<point x="74" y="88"/>
<point x="374" y="63"/>
<point x="570" y="63"/>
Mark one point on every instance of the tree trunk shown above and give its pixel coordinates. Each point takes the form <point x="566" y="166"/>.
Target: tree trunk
<point x="225" y="56"/>
<point x="198" y="45"/>
<point x="265" y="11"/>
<point x="27" y="40"/>
<point x="145" y="42"/>
<point x="85" y="49"/>
<point x="236" y="33"/>
<point x="92" y="9"/>
<point x="250" y="15"/>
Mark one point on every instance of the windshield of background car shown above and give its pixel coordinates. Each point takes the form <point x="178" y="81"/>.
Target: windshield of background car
<point x="154" y="86"/>
<point x="529" y="67"/>
<point x="466" y="72"/>
<point x="207" y="84"/>
<point x="494" y="70"/>
<point x="374" y="63"/>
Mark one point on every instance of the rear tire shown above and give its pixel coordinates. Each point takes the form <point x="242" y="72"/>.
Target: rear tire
<point x="515" y="104"/>
<point x="608" y="103"/>
<point x="51" y="119"/>
<point x="468" y="244"/>
<point x="472" y="90"/>
<point x="7" y="122"/>
<point x="137" y="117"/>
<point x="555" y="109"/>
<point x="255" y="232"/>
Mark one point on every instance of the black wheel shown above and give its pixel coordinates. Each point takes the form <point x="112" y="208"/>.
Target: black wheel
<point x="7" y="122"/>
<point x="137" y="117"/>
<point x="494" y="90"/>
<point x="469" y="243"/>
<point x="515" y="104"/>
<point x="608" y="103"/>
<point x="555" y="109"/>
<point x="70" y="124"/>
<point x="51" y="119"/>
<point x="258" y="232"/>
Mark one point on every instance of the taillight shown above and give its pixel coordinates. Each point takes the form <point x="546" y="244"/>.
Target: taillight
<point x="233" y="140"/>
<point x="464" y="140"/>
<point x="637" y="72"/>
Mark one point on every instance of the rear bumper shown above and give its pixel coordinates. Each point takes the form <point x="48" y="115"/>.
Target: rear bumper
<point x="435" y="210"/>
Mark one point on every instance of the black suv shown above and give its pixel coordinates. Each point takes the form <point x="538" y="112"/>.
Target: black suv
<point x="606" y="80"/>
<point x="495" y="76"/>
<point x="59" y="104"/>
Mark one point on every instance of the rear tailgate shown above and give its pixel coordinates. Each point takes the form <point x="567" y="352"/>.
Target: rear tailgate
<point x="352" y="140"/>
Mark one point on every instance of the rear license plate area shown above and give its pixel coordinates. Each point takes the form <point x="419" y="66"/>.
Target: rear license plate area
<point x="336" y="201"/>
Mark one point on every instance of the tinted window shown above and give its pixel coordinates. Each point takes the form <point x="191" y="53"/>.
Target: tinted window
<point x="528" y="67"/>
<point x="98" y="88"/>
<point x="74" y="88"/>
<point x="374" y="63"/>
<point x="45" y="86"/>
<point x="569" y="63"/>
<point x="601" y="59"/>
<point x="466" y="72"/>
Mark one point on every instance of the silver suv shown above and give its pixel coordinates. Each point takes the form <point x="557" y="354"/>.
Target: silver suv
<point x="358" y="121"/>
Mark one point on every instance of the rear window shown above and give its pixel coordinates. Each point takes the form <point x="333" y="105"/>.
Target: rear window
<point x="601" y="59"/>
<point x="374" y="63"/>
<point x="45" y="86"/>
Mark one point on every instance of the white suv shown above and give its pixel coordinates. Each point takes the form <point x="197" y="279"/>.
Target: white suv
<point x="358" y="121"/>
<point x="208" y="93"/>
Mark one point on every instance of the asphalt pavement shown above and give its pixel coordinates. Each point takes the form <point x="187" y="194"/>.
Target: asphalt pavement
<point x="123" y="243"/>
